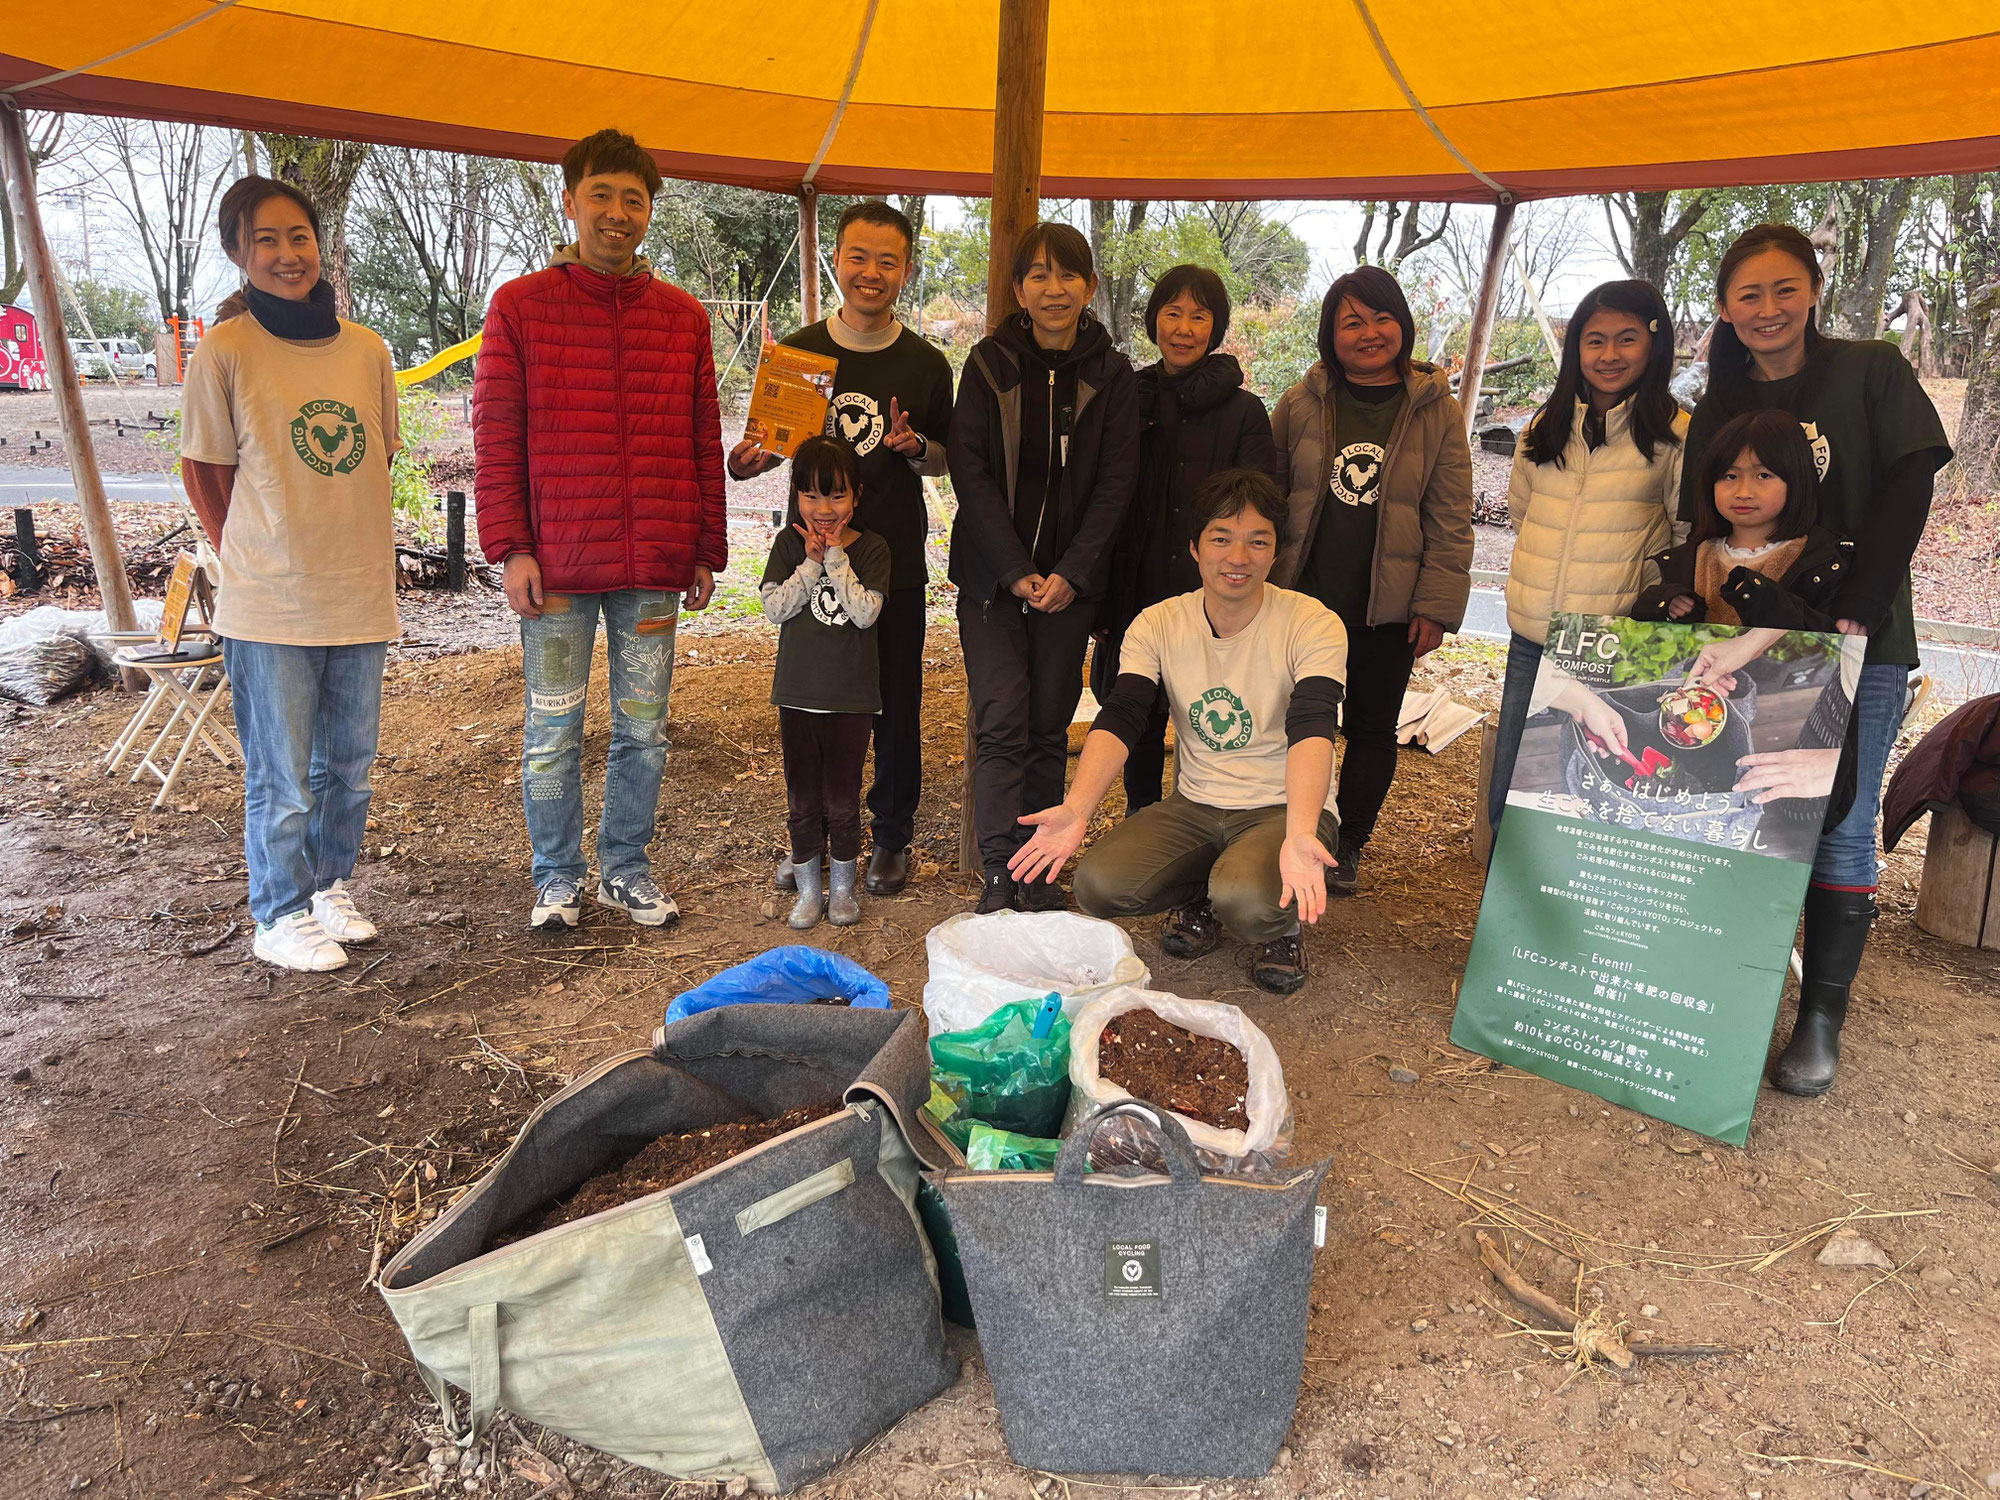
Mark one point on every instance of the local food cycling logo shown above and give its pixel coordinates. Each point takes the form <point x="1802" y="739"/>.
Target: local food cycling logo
<point x="1822" y="450"/>
<point x="1357" y="473"/>
<point x="329" y="437"/>
<point x="857" y="419"/>
<point x="1220" y="720"/>
<point x="826" y="605"/>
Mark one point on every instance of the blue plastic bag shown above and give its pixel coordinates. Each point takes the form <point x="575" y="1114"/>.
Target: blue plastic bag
<point x="784" y="976"/>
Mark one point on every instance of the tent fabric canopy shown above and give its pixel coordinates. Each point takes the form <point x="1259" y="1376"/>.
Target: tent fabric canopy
<point x="1145" y="98"/>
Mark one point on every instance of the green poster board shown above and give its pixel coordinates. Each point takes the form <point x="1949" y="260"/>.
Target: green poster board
<point x="1638" y="920"/>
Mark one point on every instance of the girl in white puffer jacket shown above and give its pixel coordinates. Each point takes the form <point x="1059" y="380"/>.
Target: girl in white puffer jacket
<point x="1595" y="487"/>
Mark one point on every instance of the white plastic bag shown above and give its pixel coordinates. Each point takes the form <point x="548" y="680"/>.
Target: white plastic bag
<point x="979" y="964"/>
<point x="1268" y="1138"/>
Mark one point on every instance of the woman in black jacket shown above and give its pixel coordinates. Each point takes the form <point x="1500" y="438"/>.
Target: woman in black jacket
<point x="1195" y="419"/>
<point x="1044" y="450"/>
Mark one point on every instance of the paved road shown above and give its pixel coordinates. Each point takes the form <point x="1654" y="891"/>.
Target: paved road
<point x="1961" y="672"/>
<point x="23" y="484"/>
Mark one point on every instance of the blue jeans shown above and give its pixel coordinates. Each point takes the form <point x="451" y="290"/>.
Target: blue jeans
<point x="1524" y="660"/>
<point x="639" y="639"/>
<point x="309" y="718"/>
<point x="1846" y="854"/>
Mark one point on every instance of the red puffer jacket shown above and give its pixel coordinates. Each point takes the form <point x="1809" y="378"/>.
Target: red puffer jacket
<point x="596" y="430"/>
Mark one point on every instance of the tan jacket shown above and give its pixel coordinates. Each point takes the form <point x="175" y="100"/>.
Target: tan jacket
<point x="1423" y="536"/>
<point x="1589" y="526"/>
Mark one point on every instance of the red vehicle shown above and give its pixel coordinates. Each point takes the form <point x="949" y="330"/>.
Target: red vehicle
<point x="23" y="364"/>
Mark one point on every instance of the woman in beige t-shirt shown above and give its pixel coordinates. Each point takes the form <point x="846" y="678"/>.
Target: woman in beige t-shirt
<point x="288" y="424"/>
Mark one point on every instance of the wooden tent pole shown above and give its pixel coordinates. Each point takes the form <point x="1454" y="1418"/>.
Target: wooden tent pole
<point x="112" y="585"/>
<point x="1018" y="90"/>
<point x="809" y="254"/>
<point x="1480" y="338"/>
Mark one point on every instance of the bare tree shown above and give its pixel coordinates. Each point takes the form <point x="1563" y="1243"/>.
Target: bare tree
<point x="1548" y="235"/>
<point x="166" y="179"/>
<point x="1403" y="233"/>
<point x="1656" y="225"/>
<point x="1916" y="331"/>
<point x="45" y="134"/>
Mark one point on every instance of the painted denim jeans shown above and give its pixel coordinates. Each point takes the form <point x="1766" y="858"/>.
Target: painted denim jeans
<point x="556" y="649"/>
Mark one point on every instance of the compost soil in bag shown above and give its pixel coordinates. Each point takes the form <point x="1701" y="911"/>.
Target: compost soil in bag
<point x="1201" y="1078"/>
<point x="760" y="1319"/>
<point x="667" y="1162"/>
<point x="1263" y="1139"/>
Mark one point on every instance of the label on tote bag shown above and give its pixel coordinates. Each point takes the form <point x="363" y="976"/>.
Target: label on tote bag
<point x="1131" y="1268"/>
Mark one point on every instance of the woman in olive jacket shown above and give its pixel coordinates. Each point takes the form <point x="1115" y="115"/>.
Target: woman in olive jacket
<point x="1196" y="418"/>
<point x="1372" y="455"/>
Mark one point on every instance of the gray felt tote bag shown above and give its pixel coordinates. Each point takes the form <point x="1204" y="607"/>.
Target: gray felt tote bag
<point x="765" y="1318"/>
<point x="1139" y="1324"/>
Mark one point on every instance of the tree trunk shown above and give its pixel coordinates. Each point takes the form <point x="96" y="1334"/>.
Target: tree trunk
<point x="913" y="206"/>
<point x="1976" y="469"/>
<point x="1867" y="250"/>
<point x="1655" y="229"/>
<point x="325" y="172"/>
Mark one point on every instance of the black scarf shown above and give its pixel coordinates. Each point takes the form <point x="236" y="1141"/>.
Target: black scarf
<point x="281" y="317"/>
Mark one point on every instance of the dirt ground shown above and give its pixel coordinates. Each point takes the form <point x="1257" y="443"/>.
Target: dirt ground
<point x="201" y="1159"/>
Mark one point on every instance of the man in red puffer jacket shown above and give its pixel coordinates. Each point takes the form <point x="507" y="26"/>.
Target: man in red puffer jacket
<point x="600" y="492"/>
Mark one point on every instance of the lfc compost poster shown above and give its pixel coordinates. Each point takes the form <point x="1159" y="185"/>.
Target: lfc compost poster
<point x="1647" y="877"/>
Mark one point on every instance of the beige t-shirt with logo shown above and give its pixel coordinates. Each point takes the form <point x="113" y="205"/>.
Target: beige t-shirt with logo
<point x="308" y="551"/>
<point x="1229" y="698"/>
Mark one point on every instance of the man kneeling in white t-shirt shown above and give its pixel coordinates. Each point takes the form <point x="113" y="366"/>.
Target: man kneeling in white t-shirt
<point x="1254" y="676"/>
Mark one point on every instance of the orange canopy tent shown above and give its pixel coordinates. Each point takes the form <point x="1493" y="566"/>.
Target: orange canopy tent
<point x="1144" y="98"/>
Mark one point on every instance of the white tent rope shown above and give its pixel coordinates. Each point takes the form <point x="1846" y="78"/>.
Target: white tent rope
<point x="174" y="30"/>
<point x="846" y="92"/>
<point x="1409" y="95"/>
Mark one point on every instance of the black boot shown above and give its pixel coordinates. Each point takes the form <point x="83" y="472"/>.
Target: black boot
<point x="997" y="894"/>
<point x="1837" y="924"/>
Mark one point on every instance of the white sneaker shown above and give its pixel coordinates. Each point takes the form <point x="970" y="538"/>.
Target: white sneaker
<point x="334" y="910"/>
<point x="557" y="904"/>
<point x="298" y="942"/>
<point x="640" y="899"/>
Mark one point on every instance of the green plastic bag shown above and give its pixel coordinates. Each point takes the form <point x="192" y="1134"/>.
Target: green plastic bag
<point x="991" y="1150"/>
<point x="1000" y="1073"/>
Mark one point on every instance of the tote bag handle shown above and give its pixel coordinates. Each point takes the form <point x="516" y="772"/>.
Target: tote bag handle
<point x="1175" y="1146"/>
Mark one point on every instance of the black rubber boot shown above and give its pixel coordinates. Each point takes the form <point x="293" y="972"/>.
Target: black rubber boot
<point x="1837" y="924"/>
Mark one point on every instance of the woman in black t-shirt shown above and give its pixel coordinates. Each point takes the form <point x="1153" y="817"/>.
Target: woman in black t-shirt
<point x="1877" y="443"/>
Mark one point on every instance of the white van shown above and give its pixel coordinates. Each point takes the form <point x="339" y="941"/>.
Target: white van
<point x="103" y="358"/>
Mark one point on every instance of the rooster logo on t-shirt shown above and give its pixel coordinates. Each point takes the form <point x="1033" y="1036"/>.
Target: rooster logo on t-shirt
<point x="826" y="605"/>
<point x="1357" y="473"/>
<point x="329" y="437"/>
<point x="1220" y="720"/>
<point x="857" y="420"/>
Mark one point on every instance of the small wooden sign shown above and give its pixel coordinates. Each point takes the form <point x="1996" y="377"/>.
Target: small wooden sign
<point x="180" y="594"/>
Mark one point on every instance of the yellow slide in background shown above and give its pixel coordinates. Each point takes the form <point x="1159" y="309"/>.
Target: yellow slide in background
<point x="443" y="359"/>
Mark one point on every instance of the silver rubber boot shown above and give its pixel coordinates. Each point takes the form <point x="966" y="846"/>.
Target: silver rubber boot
<point x="782" y="878"/>
<point x="811" y="905"/>
<point x="843" y="906"/>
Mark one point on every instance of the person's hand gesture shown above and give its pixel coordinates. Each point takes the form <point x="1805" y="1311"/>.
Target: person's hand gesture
<point x="1058" y="834"/>
<point x="1302" y="866"/>
<point x="902" y="437"/>
<point x="1720" y="661"/>
<point x="1054" y="595"/>
<point x="1772" y="774"/>
<point x="1027" y="588"/>
<point x="815" y="541"/>
<point x="748" y="459"/>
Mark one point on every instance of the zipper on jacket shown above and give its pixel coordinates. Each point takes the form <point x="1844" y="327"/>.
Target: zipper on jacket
<point x="624" y="447"/>
<point x="1042" y="519"/>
